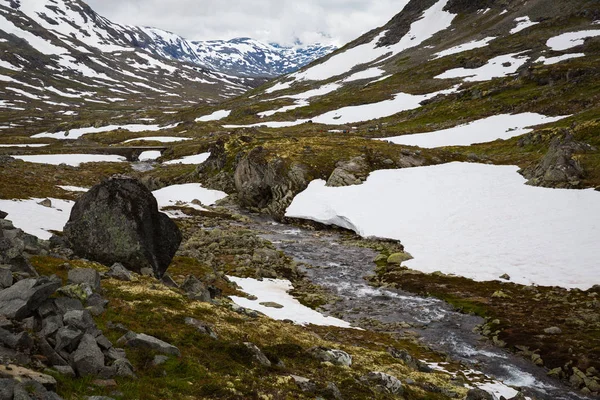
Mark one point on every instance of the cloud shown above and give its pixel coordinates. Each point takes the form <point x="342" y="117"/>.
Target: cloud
<point x="278" y="21"/>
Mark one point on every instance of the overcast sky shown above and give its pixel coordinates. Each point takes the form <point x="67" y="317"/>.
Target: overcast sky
<point x="278" y="21"/>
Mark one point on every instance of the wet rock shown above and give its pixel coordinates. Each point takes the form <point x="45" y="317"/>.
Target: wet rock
<point x="16" y="372"/>
<point x="88" y="358"/>
<point x="337" y="357"/>
<point x="257" y="354"/>
<point x="142" y="340"/>
<point x="201" y="327"/>
<point x="119" y="272"/>
<point x="87" y="276"/>
<point x="478" y="394"/>
<point x="118" y="221"/>
<point x="24" y="297"/>
<point x="383" y="382"/>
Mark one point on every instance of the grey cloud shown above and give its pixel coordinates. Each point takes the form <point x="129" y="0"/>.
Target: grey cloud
<point x="279" y="21"/>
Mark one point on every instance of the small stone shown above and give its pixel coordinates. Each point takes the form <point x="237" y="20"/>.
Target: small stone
<point x="555" y="373"/>
<point x="554" y="330"/>
<point x="168" y="281"/>
<point x="383" y="382"/>
<point x="202" y="327"/>
<point x="85" y="275"/>
<point x="537" y="359"/>
<point x="46" y="203"/>
<point x="506" y="277"/>
<point x="142" y="340"/>
<point x="119" y="272"/>
<point x="257" y="354"/>
<point x="271" y="304"/>
<point x="195" y="289"/>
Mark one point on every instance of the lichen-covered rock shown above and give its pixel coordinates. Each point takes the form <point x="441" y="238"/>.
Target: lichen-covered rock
<point x="118" y="221"/>
<point x="334" y="356"/>
<point x="383" y="382"/>
<point x="85" y="275"/>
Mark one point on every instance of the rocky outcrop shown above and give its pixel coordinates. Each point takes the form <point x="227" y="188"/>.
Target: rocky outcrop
<point x="382" y="382"/>
<point x="268" y="184"/>
<point x="118" y="221"/>
<point x="346" y="173"/>
<point x="558" y="168"/>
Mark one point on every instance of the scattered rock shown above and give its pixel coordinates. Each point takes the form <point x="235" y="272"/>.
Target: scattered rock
<point x="257" y="354"/>
<point x="168" y="281"/>
<point x="554" y="330"/>
<point x="24" y="297"/>
<point x="124" y="369"/>
<point x="79" y="292"/>
<point x="383" y="382"/>
<point x="159" y="360"/>
<point x="196" y="289"/>
<point x="118" y="221"/>
<point x="119" y="272"/>
<point x="68" y="339"/>
<point x="88" y="357"/>
<point x="202" y="327"/>
<point x="142" y="340"/>
<point x="506" y="277"/>
<point x="305" y="384"/>
<point x="87" y="276"/>
<point x="79" y="319"/>
<point x="46" y="203"/>
<point x="499" y="294"/>
<point x="337" y="357"/>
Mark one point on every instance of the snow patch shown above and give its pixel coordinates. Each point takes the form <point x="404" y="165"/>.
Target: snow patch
<point x="497" y="67"/>
<point x="216" y="116"/>
<point x="36" y="219"/>
<point x="522" y="24"/>
<point x="476" y="44"/>
<point x="79" y="132"/>
<point x="187" y="195"/>
<point x="557" y="59"/>
<point x="74" y="160"/>
<point x="570" y="39"/>
<point x="193" y="159"/>
<point x="473" y="220"/>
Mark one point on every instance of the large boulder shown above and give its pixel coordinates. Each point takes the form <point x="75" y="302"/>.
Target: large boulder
<point x="118" y="221"/>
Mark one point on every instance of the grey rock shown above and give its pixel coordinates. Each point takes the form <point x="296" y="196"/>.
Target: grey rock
<point x="478" y="394"/>
<point x="257" y="354"/>
<point x="85" y="275"/>
<point x="51" y="324"/>
<point x="68" y="339"/>
<point x="115" y="354"/>
<point x="196" y="289"/>
<point x="3" y="214"/>
<point x="383" y="382"/>
<point x="65" y="370"/>
<point x="118" y="221"/>
<point x="46" y="203"/>
<point x="103" y="342"/>
<point x="124" y="369"/>
<point x="66" y="304"/>
<point x="332" y="391"/>
<point x="119" y="272"/>
<point x="554" y="330"/>
<point x="202" y="327"/>
<point x="337" y="357"/>
<point x="168" y="281"/>
<point x="348" y="173"/>
<point x="79" y="319"/>
<point x="48" y="351"/>
<point x="149" y="342"/>
<point x="21" y="299"/>
<point x="88" y="357"/>
<point x="79" y="292"/>
<point x="159" y="360"/>
<point x="6" y="278"/>
<point x="7" y="388"/>
<point x="305" y="384"/>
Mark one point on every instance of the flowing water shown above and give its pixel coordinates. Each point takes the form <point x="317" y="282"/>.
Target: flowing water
<point x="341" y="268"/>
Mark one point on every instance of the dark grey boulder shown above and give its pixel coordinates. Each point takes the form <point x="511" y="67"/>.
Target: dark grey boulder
<point x="47" y="351"/>
<point x="68" y="339"/>
<point x="7" y="389"/>
<point x="201" y="327"/>
<point x="257" y="354"/>
<point x="24" y="297"/>
<point x="118" y="221"/>
<point x="3" y="215"/>
<point x="85" y="275"/>
<point x="383" y="382"/>
<point x="478" y="394"/>
<point x="51" y="324"/>
<point x="66" y="304"/>
<point x="88" y="357"/>
<point x="79" y="319"/>
<point x="196" y="289"/>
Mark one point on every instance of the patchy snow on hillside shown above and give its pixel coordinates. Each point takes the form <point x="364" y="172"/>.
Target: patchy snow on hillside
<point x="366" y="74"/>
<point x="24" y="145"/>
<point x="187" y="195"/>
<point x="42" y="45"/>
<point x="557" y="59"/>
<point x="366" y="112"/>
<point x="476" y="44"/>
<point x="73" y="134"/>
<point x="473" y="220"/>
<point x="522" y="24"/>
<point x="193" y="159"/>
<point x="497" y="67"/>
<point x="277" y="291"/>
<point x="569" y="40"/>
<point x="279" y="86"/>
<point x="74" y="160"/>
<point x="269" y="124"/>
<point x="297" y="104"/>
<point x="149" y="155"/>
<point x="432" y="21"/>
<point x="216" y="116"/>
<point x="73" y="188"/>
<point x="320" y="91"/>
<point x="162" y="139"/>
<point x="485" y="130"/>
<point x="35" y="219"/>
